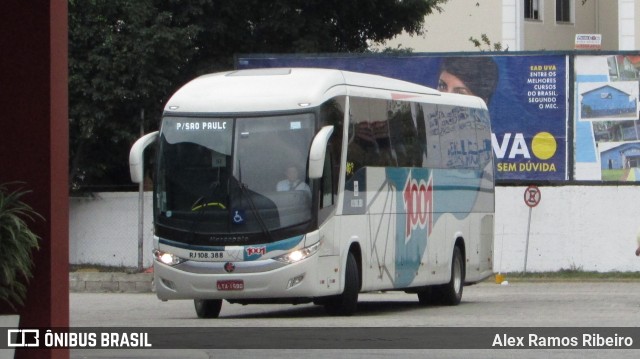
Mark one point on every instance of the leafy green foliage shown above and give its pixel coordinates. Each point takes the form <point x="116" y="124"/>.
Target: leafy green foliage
<point x="573" y="274"/>
<point x="17" y="241"/>
<point x="485" y="44"/>
<point x="124" y="58"/>
<point x="127" y="56"/>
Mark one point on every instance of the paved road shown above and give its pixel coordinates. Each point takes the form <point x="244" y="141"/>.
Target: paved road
<point x="601" y="304"/>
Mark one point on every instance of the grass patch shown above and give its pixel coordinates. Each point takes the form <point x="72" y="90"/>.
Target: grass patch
<point x="100" y="268"/>
<point x="613" y="175"/>
<point x="572" y="275"/>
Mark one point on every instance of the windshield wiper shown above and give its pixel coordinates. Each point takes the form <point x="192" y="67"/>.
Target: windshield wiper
<point x="245" y="191"/>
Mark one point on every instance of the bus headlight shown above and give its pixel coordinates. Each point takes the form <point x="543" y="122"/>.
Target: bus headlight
<point x="298" y="255"/>
<point x="167" y="258"/>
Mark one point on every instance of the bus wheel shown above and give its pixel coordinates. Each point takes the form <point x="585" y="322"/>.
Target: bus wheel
<point x="345" y="304"/>
<point x="208" y="308"/>
<point x="450" y="293"/>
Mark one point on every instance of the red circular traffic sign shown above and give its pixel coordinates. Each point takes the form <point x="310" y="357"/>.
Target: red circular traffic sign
<point x="532" y="196"/>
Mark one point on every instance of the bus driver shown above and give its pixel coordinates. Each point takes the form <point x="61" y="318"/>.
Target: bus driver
<point x="292" y="182"/>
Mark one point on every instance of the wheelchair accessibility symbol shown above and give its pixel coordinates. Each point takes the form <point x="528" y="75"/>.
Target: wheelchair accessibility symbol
<point x="238" y="217"/>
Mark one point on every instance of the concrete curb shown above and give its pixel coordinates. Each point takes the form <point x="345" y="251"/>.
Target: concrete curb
<point x="109" y="282"/>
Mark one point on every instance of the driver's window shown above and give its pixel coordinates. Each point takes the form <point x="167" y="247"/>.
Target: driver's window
<point x="326" y="198"/>
<point x="331" y="114"/>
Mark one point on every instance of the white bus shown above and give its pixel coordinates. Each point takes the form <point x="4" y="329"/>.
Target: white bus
<point x="315" y="185"/>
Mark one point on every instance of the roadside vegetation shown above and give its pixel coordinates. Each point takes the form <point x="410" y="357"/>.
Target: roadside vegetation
<point x="571" y="275"/>
<point x="561" y="275"/>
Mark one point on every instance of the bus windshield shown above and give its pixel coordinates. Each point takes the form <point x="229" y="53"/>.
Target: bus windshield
<point x="227" y="180"/>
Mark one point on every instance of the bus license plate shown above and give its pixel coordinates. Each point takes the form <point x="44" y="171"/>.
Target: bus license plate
<point x="230" y="285"/>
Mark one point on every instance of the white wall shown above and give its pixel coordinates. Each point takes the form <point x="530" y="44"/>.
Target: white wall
<point x="573" y="227"/>
<point x="103" y="230"/>
<point x="503" y="21"/>
<point x="451" y="29"/>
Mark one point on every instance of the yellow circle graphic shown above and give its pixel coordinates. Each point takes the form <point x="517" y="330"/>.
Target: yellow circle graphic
<point x="544" y="145"/>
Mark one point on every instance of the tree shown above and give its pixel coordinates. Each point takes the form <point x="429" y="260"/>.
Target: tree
<point x="124" y="57"/>
<point x="127" y="56"/>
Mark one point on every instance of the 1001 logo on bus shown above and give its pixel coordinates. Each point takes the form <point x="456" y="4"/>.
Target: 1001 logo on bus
<point x="418" y="203"/>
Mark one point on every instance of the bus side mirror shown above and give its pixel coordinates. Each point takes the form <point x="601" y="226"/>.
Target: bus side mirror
<point x="136" y="158"/>
<point x="318" y="152"/>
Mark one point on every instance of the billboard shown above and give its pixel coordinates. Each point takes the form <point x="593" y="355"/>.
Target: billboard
<point x="526" y="96"/>
<point x="607" y="130"/>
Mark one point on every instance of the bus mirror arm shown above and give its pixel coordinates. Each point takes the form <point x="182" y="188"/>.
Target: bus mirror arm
<point x="136" y="158"/>
<point x="318" y="152"/>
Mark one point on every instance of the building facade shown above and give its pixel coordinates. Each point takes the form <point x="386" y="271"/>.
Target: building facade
<point x="526" y="25"/>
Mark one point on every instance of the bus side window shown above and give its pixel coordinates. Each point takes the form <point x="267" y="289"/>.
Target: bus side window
<point x="331" y="114"/>
<point x="369" y="135"/>
<point x="484" y="136"/>
<point x="357" y="140"/>
<point x="429" y="129"/>
<point x="457" y="137"/>
<point x="406" y="148"/>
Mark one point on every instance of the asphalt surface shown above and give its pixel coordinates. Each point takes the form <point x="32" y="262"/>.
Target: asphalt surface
<point x="490" y="306"/>
<point x="570" y="304"/>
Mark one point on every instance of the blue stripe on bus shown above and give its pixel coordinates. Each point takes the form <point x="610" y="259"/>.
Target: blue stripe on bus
<point x="282" y="245"/>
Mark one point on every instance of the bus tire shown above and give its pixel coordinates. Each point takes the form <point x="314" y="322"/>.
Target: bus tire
<point x="345" y="304"/>
<point x="208" y="308"/>
<point x="450" y="293"/>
